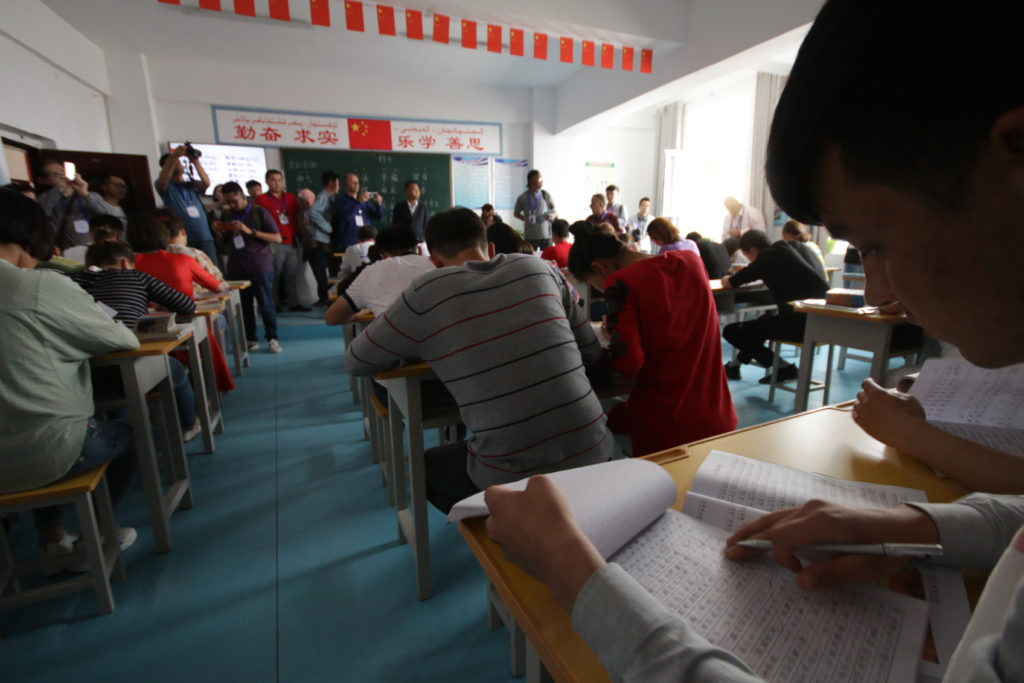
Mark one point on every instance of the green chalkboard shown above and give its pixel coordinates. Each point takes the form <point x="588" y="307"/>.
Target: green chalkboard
<point x="381" y="172"/>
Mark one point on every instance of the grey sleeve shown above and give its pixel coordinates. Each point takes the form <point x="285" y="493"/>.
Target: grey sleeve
<point x="582" y="330"/>
<point x="1000" y="657"/>
<point x="388" y="340"/>
<point x="316" y="213"/>
<point x="637" y="639"/>
<point x="975" y="530"/>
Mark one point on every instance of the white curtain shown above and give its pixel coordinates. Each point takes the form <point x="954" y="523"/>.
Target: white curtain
<point x="668" y="135"/>
<point x="769" y="88"/>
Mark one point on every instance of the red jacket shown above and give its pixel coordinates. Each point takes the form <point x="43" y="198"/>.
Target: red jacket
<point x="177" y="270"/>
<point x="559" y="253"/>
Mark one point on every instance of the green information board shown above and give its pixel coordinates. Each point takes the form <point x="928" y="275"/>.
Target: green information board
<point x="382" y="172"/>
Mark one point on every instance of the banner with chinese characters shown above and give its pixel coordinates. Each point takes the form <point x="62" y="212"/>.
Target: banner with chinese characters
<point x="296" y="129"/>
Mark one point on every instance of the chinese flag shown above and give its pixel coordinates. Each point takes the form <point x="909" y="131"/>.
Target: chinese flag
<point x="540" y="45"/>
<point x="414" y="24"/>
<point x="386" y="20"/>
<point x="565" y="48"/>
<point x="441" y="23"/>
<point x="587" y="53"/>
<point x="279" y="10"/>
<point x="369" y="134"/>
<point x="607" y="56"/>
<point x="516" y="42"/>
<point x="354" y="16"/>
<point x="210" y="5"/>
<point x="319" y="12"/>
<point x="247" y="8"/>
<point x="493" y="38"/>
<point x="469" y="34"/>
<point x="627" y="59"/>
<point x="646" y="61"/>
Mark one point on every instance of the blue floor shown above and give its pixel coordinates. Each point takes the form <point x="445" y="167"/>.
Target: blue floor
<point x="288" y="568"/>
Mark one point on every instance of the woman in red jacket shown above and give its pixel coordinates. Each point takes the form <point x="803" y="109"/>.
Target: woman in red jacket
<point x="663" y="329"/>
<point x="149" y="237"/>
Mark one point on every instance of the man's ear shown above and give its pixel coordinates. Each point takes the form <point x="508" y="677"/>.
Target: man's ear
<point x="126" y="264"/>
<point x="436" y="260"/>
<point x="491" y="251"/>
<point x="1007" y="133"/>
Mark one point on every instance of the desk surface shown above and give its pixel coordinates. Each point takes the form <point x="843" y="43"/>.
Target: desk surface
<point x="824" y="440"/>
<point x="819" y="307"/>
<point x="362" y="317"/>
<point x="147" y="348"/>
<point x="239" y="284"/>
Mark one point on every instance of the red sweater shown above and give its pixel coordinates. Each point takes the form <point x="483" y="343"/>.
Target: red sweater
<point x="664" y="326"/>
<point x="559" y="253"/>
<point x="287" y="205"/>
<point x="177" y="270"/>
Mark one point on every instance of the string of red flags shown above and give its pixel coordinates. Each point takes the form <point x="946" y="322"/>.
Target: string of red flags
<point x="387" y="20"/>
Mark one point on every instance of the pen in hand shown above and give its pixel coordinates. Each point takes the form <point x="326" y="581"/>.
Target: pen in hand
<point x="921" y="551"/>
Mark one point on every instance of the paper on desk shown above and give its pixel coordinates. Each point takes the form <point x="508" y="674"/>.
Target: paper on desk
<point x="611" y="502"/>
<point x="106" y="309"/>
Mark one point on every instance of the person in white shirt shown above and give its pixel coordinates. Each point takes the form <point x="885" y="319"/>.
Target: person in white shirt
<point x="740" y="218"/>
<point x="358" y="254"/>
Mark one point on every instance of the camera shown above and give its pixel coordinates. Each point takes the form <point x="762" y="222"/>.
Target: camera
<point x="191" y="151"/>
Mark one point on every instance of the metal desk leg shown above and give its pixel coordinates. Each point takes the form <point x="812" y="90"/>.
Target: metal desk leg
<point x="213" y="395"/>
<point x="418" y="487"/>
<point x="803" y="377"/>
<point x="195" y="370"/>
<point x="880" y="355"/>
<point x="398" y="467"/>
<point x="535" y="671"/>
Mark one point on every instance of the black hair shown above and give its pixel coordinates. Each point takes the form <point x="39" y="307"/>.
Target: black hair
<point x="163" y="158"/>
<point x="175" y="226"/>
<point x="754" y="239"/>
<point x="455" y="230"/>
<point x="560" y="227"/>
<point x="644" y="199"/>
<point x="146" y="233"/>
<point x="108" y="254"/>
<point x="873" y="79"/>
<point x="396" y="240"/>
<point x="695" y="236"/>
<point x="487" y="207"/>
<point x="328" y="177"/>
<point x="107" y="224"/>
<point x="23" y="222"/>
<point x="612" y="188"/>
<point x="731" y="244"/>
<point x="506" y="240"/>
<point x="19" y="186"/>
<point x="580" y="228"/>
<point x="531" y="174"/>
<point x="270" y="172"/>
<point x="231" y="187"/>
<point x="249" y="184"/>
<point x="592" y="245"/>
<point x="367" y="232"/>
<point x="410" y="182"/>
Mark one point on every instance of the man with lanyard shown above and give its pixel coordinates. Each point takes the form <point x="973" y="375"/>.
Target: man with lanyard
<point x="601" y="214"/>
<point x="69" y="204"/>
<point x="639" y="224"/>
<point x="283" y="207"/>
<point x="320" y="219"/>
<point x="352" y="210"/>
<point x="536" y="210"/>
<point x="740" y="219"/>
<point x="182" y="197"/>
<point x="248" y="231"/>
<point x="615" y="206"/>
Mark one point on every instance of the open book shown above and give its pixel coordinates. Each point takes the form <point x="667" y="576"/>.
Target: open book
<point x="982" y="405"/>
<point x="755" y="608"/>
<point x="160" y="326"/>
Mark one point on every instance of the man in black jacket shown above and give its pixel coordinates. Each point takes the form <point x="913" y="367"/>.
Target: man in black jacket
<point x="412" y="211"/>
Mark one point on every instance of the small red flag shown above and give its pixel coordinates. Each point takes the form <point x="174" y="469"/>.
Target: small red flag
<point x="587" y="53"/>
<point x="516" y="42"/>
<point x="369" y="134"/>
<point x="566" y="47"/>
<point x="171" y="2"/>
<point x="247" y="8"/>
<point x="386" y="20"/>
<point x="414" y="24"/>
<point x="627" y="59"/>
<point x="493" y="38"/>
<point x="319" y="12"/>
<point x="210" y="5"/>
<point x="540" y="45"/>
<point x="469" y="34"/>
<point x="354" y="16"/>
<point x="646" y="61"/>
<point x="441" y="23"/>
<point x="607" y="56"/>
<point x="279" y="10"/>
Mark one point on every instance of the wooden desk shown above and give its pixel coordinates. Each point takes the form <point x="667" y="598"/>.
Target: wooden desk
<point x="143" y="370"/>
<point x="204" y="379"/>
<point x="846" y="327"/>
<point x="824" y="440"/>
<point x="236" y="323"/>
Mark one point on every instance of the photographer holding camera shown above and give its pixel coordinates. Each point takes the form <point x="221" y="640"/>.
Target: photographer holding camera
<point x="183" y="196"/>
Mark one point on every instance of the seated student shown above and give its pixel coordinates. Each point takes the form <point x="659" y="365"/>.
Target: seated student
<point x="51" y="329"/>
<point x="789" y="277"/>
<point x="714" y="255"/>
<point x="149" y="237"/>
<point x="793" y="231"/>
<point x="736" y="257"/>
<point x="179" y="245"/>
<point x="380" y="283"/>
<point x="102" y="228"/>
<point x="507" y="337"/>
<point x="680" y="392"/>
<point x="667" y="238"/>
<point x="507" y="241"/>
<point x="110" y="277"/>
<point x="598" y="204"/>
<point x="559" y="251"/>
<point x="873" y="176"/>
<point x="358" y="254"/>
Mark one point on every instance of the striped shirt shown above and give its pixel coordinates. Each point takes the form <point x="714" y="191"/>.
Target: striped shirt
<point x="508" y="339"/>
<point x="129" y="292"/>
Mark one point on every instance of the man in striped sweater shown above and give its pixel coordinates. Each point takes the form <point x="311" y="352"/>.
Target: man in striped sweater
<point x="509" y="340"/>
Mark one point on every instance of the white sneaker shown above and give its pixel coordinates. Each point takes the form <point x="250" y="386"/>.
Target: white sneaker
<point x="253" y="345"/>
<point x="275" y="346"/>
<point x="126" y="536"/>
<point x="65" y="546"/>
<point x="192" y="432"/>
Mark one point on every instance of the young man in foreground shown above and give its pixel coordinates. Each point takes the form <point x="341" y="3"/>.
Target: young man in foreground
<point x="902" y="182"/>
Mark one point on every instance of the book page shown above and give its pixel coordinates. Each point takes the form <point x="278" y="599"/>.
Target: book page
<point x="756" y="610"/>
<point x="611" y="502"/>
<point x="1001" y="438"/>
<point x="718" y="513"/>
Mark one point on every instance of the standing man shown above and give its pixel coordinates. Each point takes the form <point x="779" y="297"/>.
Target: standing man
<point x="112" y="192"/>
<point x="249" y="230"/>
<point x="602" y="214"/>
<point x="412" y="211"/>
<point x="254" y="188"/>
<point x="283" y="207"/>
<point x="69" y="205"/>
<point x="740" y="219"/>
<point x="612" y="193"/>
<point x="536" y="210"/>
<point x="183" y="198"/>
<point x="320" y="220"/>
<point x="352" y="210"/>
<point x="638" y="224"/>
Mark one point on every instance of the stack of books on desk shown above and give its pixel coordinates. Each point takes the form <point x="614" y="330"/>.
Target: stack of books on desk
<point x="159" y="327"/>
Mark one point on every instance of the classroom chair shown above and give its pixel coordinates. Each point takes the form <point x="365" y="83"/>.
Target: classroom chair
<point x="104" y="559"/>
<point x="825" y="386"/>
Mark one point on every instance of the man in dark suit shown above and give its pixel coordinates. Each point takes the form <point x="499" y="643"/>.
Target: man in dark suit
<point x="412" y="211"/>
